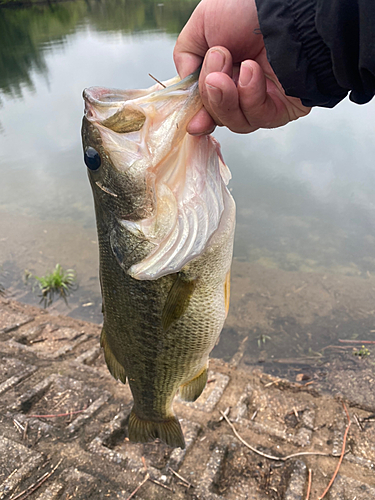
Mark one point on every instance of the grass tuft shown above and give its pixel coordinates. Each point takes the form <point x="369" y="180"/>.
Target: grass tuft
<point x="58" y="283"/>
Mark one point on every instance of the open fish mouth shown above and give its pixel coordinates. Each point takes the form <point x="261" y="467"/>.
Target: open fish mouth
<point x="104" y="98"/>
<point x="144" y="133"/>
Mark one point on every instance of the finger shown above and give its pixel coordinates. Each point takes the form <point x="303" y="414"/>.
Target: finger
<point x="259" y="108"/>
<point x="263" y="100"/>
<point x="186" y="63"/>
<point x="216" y="59"/>
<point x="201" y="124"/>
<point x="221" y="99"/>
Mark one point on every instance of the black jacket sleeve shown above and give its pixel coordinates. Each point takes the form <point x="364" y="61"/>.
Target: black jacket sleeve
<point x="321" y="49"/>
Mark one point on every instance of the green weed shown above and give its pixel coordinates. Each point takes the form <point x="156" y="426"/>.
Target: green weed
<point x="362" y="352"/>
<point x="59" y="283"/>
<point x="262" y="340"/>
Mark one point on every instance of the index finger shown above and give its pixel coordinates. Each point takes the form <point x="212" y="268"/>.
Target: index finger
<point x="191" y="45"/>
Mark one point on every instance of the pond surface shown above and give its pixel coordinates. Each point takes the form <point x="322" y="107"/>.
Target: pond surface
<point x="304" y="256"/>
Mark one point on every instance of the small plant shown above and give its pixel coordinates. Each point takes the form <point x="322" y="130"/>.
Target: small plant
<point x="262" y="340"/>
<point x="58" y="283"/>
<point x="362" y="352"/>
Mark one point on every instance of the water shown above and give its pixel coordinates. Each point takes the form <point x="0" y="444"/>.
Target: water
<point x="304" y="247"/>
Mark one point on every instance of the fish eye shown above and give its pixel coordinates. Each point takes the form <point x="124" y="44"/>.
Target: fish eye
<point x="92" y="158"/>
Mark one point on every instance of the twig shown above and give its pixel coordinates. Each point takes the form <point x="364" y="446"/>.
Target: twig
<point x="38" y="484"/>
<point x="226" y="411"/>
<point x="147" y="476"/>
<point x="11" y="474"/>
<point x="180" y="477"/>
<point x="24" y="435"/>
<point x="18" y="425"/>
<point x="57" y="415"/>
<point x="358" y="422"/>
<point x="273" y="382"/>
<point x="308" y="383"/>
<point x="309" y="485"/>
<point x="271" y="457"/>
<point x="151" y="479"/>
<point x="36" y="341"/>
<point x="160" y="484"/>
<point x="357" y="341"/>
<point x="341" y="456"/>
<point x="156" y="80"/>
<point x="339" y="347"/>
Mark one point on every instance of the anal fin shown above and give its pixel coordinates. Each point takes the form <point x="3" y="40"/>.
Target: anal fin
<point x="117" y="370"/>
<point x="194" y="388"/>
<point x="143" y="431"/>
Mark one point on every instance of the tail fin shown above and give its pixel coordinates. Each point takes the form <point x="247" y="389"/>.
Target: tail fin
<point x="169" y="431"/>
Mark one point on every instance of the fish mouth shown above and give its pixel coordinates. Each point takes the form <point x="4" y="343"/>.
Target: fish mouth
<point x="101" y="101"/>
<point x="105" y="99"/>
<point x="101" y="96"/>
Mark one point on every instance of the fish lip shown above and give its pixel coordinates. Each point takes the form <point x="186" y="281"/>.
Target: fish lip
<point x="100" y="96"/>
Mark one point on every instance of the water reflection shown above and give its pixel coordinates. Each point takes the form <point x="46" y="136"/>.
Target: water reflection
<point x="305" y="192"/>
<point x="27" y="33"/>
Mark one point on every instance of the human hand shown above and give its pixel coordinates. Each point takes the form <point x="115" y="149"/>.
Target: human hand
<point x="238" y="86"/>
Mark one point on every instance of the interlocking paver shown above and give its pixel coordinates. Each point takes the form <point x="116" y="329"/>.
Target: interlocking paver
<point x="12" y="372"/>
<point x="51" y="341"/>
<point x="16" y="464"/>
<point x="277" y="414"/>
<point x="10" y="320"/>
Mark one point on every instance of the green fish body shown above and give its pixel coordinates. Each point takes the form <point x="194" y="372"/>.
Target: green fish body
<point x="165" y="222"/>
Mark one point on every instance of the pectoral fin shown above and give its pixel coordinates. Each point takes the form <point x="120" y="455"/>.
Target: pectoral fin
<point x="117" y="370"/>
<point x="194" y="388"/>
<point x="177" y="301"/>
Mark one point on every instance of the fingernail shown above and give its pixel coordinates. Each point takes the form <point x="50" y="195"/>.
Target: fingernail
<point x="246" y="74"/>
<point x="206" y="132"/>
<point x="215" y="95"/>
<point x="215" y="61"/>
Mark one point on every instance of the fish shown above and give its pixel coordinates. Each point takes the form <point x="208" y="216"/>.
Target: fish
<point x="165" y="222"/>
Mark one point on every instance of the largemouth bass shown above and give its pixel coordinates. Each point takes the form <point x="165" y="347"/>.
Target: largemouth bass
<point x="165" y="222"/>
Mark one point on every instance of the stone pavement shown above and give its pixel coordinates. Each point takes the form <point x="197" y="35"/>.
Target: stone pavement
<point x="63" y="428"/>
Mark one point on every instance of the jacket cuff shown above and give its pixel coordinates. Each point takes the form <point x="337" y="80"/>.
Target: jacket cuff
<point x="297" y="53"/>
